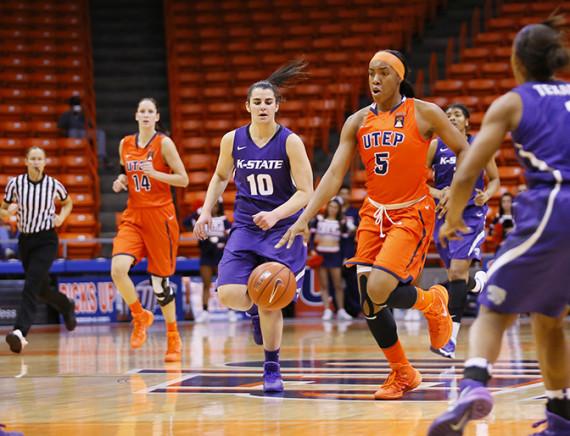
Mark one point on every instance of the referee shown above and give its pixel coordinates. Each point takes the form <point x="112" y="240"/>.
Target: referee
<point x="34" y="193"/>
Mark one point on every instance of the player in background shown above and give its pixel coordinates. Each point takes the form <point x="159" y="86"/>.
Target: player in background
<point x="211" y="251"/>
<point x="530" y="271"/>
<point x="327" y="232"/>
<point x="274" y="181"/>
<point x="397" y="218"/>
<point x="150" y="165"/>
<point x="457" y="255"/>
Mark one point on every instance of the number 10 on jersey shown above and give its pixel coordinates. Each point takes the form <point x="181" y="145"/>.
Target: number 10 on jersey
<point x="260" y="184"/>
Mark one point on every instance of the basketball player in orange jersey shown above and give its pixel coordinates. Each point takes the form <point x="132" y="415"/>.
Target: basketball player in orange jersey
<point x="150" y="165"/>
<point x="397" y="218"/>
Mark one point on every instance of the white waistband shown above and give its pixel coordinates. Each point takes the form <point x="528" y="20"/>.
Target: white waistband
<point x="395" y="206"/>
<point x="382" y="209"/>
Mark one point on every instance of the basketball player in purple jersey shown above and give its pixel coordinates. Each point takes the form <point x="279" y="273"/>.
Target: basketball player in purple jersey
<point x="458" y="254"/>
<point x="274" y="182"/>
<point x="530" y="272"/>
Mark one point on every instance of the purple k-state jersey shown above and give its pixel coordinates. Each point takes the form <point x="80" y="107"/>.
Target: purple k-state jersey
<point x="262" y="176"/>
<point x="542" y="139"/>
<point x="444" y="165"/>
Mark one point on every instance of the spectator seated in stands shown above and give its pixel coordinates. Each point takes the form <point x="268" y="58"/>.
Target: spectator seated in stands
<point x="504" y="222"/>
<point x="73" y="125"/>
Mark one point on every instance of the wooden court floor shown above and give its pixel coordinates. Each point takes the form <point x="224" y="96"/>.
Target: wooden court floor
<point x="90" y="383"/>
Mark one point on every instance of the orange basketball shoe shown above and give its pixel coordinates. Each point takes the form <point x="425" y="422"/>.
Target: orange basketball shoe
<point x="439" y="320"/>
<point x="174" y="348"/>
<point x="140" y="323"/>
<point x="403" y="378"/>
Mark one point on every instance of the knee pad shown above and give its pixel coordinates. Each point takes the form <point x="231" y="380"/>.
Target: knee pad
<point x="162" y="290"/>
<point x="369" y="309"/>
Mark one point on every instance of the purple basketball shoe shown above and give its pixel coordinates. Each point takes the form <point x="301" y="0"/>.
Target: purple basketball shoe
<point x="272" y="381"/>
<point x="557" y="426"/>
<point x="474" y="402"/>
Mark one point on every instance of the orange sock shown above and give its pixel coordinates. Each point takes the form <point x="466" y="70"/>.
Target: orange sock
<point x="396" y="354"/>
<point x="425" y="298"/>
<point x="171" y="327"/>
<point x="136" y="308"/>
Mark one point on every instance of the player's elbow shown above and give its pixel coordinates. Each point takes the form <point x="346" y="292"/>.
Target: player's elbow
<point x="184" y="180"/>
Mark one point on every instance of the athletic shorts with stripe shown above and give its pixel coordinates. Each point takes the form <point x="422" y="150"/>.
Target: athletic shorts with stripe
<point x="152" y="233"/>
<point x="403" y="249"/>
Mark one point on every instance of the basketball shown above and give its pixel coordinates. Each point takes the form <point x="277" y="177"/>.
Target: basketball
<point x="272" y="286"/>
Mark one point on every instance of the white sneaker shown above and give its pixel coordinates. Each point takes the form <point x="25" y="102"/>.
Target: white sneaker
<point x="232" y="316"/>
<point x="16" y="341"/>
<point x="203" y="317"/>
<point x="480" y="281"/>
<point x="343" y="315"/>
<point x="327" y="315"/>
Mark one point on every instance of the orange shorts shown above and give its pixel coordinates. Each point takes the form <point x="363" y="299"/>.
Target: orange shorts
<point x="402" y="251"/>
<point x="149" y="232"/>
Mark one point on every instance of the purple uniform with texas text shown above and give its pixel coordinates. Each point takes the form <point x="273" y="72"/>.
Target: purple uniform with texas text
<point x="530" y="270"/>
<point x="264" y="182"/>
<point x="469" y="247"/>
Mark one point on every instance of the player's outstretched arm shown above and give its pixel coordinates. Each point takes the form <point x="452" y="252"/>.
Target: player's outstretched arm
<point x="331" y="181"/>
<point x="217" y="186"/>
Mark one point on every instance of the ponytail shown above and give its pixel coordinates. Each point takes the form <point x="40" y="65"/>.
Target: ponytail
<point x="285" y="76"/>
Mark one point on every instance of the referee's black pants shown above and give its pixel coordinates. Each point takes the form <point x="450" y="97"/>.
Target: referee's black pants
<point x="37" y="252"/>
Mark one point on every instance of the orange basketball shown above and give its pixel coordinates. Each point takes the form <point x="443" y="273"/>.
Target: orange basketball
<point x="272" y="286"/>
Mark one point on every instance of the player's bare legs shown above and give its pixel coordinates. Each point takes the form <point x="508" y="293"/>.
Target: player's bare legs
<point x="235" y="297"/>
<point x="486" y="334"/>
<point x="142" y="319"/>
<point x="120" y="266"/>
<point x="552" y="351"/>
<point x="272" y="329"/>
<point x="338" y="292"/>
<point x="324" y="290"/>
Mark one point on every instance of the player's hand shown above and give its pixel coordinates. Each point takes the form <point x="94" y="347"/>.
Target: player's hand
<point x="120" y="183"/>
<point x="451" y="230"/>
<point x="481" y="198"/>
<point x="58" y="220"/>
<point x="265" y="220"/>
<point x="202" y="225"/>
<point x="13" y="208"/>
<point x="299" y="227"/>
<point x="148" y="168"/>
<point x="441" y="208"/>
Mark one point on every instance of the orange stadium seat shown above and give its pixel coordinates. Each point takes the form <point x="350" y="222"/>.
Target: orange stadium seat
<point x="11" y="147"/>
<point x="11" y="112"/>
<point x="193" y="200"/>
<point x="49" y="145"/>
<point x="463" y="71"/>
<point x="448" y="88"/>
<point x="78" y="246"/>
<point x="188" y="245"/>
<point x="194" y="145"/>
<point x="492" y="39"/>
<point x="481" y="87"/>
<point x="495" y="70"/>
<point x="76" y="182"/>
<point x="472" y="102"/>
<point x="475" y="55"/>
<point x="511" y="175"/>
<point x="84" y="203"/>
<point x="12" y="165"/>
<point x="198" y="162"/>
<point x="44" y="128"/>
<point x="81" y="223"/>
<point x="53" y="164"/>
<point x="14" y="129"/>
<point x="198" y="180"/>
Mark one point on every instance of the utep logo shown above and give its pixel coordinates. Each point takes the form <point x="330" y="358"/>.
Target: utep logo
<point x="386" y="138"/>
<point x="344" y="379"/>
<point x="399" y="122"/>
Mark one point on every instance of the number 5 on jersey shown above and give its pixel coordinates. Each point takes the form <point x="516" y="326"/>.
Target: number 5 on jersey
<point x="143" y="183"/>
<point x="381" y="160"/>
<point x="260" y="184"/>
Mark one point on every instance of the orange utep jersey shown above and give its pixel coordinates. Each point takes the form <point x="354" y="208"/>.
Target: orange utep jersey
<point x="145" y="191"/>
<point x="394" y="154"/>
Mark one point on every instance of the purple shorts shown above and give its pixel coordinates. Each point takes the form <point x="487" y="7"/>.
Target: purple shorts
<point x="249" y="247"/>
<point x="469" y="247"/>
<point x="530" y="271"/>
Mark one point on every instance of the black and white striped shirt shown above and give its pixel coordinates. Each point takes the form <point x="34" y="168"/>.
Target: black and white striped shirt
<point x="36" y="201"/>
